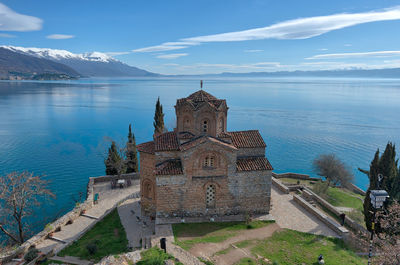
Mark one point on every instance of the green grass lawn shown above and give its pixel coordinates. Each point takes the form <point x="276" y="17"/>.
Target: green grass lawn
<point x="307" y="183"/>
<point x="344" y="198"/>
<point x="108" y="235"/>
<point x="292" y="247"/>
<point x="187" y="235"/>
<point x="155" y="256"/>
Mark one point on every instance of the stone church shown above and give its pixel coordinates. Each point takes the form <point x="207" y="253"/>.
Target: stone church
<point x="202" y="170"/>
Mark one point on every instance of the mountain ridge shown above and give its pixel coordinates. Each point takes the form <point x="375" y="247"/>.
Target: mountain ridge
<point x="91" y="64"/>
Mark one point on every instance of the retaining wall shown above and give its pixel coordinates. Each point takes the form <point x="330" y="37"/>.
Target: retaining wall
<point x="340" y="230"/>
<point x="348" y="221"/>
<point x="280" y="186"/>
<point x="62" y="221"/>
<point x="293" y="176"/>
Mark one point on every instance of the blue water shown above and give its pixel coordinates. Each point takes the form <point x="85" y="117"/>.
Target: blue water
<point x="62" y="129"/>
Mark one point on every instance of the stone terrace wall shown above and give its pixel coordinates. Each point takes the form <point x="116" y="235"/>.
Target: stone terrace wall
<point x="293" y="176"/>
<point x="62" y="221"/>
<point x="348" y="221"/>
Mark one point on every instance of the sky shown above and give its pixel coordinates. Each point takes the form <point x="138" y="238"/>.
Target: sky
<point x="208" y="36"/>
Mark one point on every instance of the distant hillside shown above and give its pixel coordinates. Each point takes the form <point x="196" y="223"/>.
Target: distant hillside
<point x="14" y="65"/>
<point x="94" y="64"/>
<point x="371" y="73"/>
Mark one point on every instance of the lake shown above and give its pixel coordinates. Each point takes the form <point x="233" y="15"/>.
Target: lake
<point x="62" y="129"/>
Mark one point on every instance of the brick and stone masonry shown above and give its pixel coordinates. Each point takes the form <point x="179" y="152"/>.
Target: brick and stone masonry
<point x="202" y="170"/>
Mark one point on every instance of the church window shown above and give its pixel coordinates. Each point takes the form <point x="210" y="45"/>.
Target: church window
<point x="210" y="196"/>
<point x="221" y="124"/>
<point x="209" y="161"/>
<point x="148" y="193"/>
<point x="205" y="126"/>
<point x="186" y="124"/>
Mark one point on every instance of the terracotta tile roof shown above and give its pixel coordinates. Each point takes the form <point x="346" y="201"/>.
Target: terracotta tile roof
<point x="198" y="98"/>
<point x="147" y="147"/>
<point x="169" y="167"/>
<point x="166" y="142"/>
<point x="201" y="139"/>
<point x="224" y="135"/>
<point x="247" y="139"/>
<point x="253" y="164"/>
<point x="185" y="135"/>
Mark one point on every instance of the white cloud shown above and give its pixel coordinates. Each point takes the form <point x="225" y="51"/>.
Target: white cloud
<point x="167" y="46"/>
<point x="116" y="53"/>
<point x="13" y="21"/>
<point x="171" y="55"/>
<point x="253" y="50"/>
<point x="348" y="45"/>
<point x="323" y="49"/>
<point x="60" y="36"/>
<point x="355" y="55"/>
<point x="302" y="28"/>
<point x="5" y="35"/>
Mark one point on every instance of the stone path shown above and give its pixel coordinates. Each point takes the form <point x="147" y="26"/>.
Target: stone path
<point x="288" y="214"/>
<point x="107" y="200"/>
<point x="129" y="211"/>
<point x="72" y="260"/>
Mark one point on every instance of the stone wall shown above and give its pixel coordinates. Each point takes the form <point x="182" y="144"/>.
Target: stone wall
<point x="147" y="183"/>
<point x="62" y="221"/>
<point x="340" y="230"/>
<point x="252" y="190"/>
<point x="348" y="221"/>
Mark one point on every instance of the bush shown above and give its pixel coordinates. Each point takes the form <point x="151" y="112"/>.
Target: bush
<point x="31" y="255"/>
<point x="91" y="248"/>
<point x="321" y="187"/>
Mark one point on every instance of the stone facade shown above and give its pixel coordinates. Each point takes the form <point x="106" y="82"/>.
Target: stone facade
<point x="202" y="170"/>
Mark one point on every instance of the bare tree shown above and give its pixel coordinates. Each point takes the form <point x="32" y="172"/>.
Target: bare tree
<point x="389" y="239"/>
<point x="20" y="194"/>
<point x="334" y="170"/>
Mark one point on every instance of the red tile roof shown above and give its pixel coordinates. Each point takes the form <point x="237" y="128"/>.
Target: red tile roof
<point x="169" y="167"/>
<point x="197" y="98"/>
<point x="147" y="147"/>
<point x="185" y="135"/>
<point x="166" y="142"/>
<point x="247" y="139"/>
<point x="201" y="139"/>
<point x="253" y="164"/>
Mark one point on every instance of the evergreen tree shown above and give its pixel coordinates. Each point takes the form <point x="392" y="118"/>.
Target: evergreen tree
<point x="373" y="180"/>
<point x="387" y="166"/>
<point x="114" y="163"/>
<point x="131" y="153"/>
<point x="158" y="118"/>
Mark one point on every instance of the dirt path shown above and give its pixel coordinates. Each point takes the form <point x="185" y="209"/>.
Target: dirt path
<point x="207" y="250"/>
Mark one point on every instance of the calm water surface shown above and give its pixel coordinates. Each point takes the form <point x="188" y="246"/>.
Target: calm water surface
<point x="62" y="129"/>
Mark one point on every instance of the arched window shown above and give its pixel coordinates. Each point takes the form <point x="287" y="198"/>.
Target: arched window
<point x="148" y="190"/>
<point x="209" y="161"/>
<point x="221" y="124"/>
<point x="205" y="126"/>
<point x="210" y="196"/>
<point x="186" y="123"/>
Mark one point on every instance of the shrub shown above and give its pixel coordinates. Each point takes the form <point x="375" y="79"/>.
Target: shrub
<point x="31" y="254"/>
<point x="321" y="187"/>
<point x="91" y="248"/>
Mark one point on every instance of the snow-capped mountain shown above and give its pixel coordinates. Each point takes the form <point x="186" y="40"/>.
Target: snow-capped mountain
<point x="14" y="65"/>
<point x="90" y="64"/>
<point x="54" y="54"/>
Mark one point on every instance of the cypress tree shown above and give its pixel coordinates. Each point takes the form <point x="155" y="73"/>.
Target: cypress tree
<point x="131" y="153"/>
<point x="158" y="118"/>
<point x="114" y="161"/>
<point x="373" y="178"/>
<point x="387" y="166"/>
